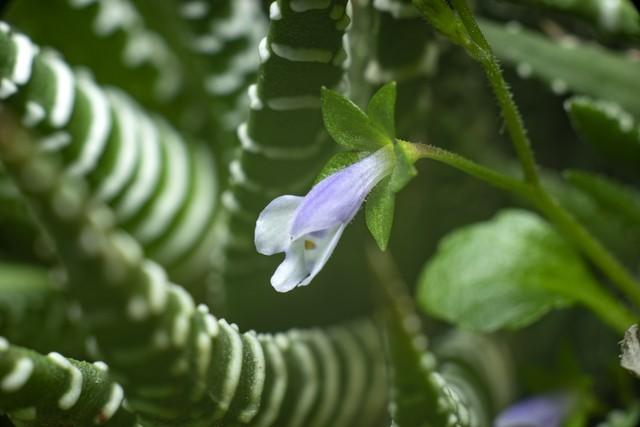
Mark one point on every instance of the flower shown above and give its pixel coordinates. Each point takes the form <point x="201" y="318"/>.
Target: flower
<point x="547" y="410"/>
<point x="307" y="229"/>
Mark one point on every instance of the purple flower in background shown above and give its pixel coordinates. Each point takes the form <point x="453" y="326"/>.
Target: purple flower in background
<point x="549" y="410"/>
<point x="307" y="229"/>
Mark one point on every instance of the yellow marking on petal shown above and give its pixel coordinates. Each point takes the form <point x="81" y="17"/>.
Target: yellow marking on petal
<point x="309" y="244"/>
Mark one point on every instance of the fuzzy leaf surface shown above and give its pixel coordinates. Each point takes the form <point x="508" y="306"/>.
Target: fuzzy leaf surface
<point x="504" y="273"/>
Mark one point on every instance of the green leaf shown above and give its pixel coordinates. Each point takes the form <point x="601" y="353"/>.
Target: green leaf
<point x="504" y="273"/>
<point x="609" y="128"/>
<point x="382" y="109"/>
<point x="339" y="161"/>
<point x="585" y="69"/>
<point x="379" y="212"/>
<point x="348" y="125"/>
<point x="404" y="171"/>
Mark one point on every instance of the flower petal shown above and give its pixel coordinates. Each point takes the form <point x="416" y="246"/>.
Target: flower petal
<point x="273" y="224"/>
<point x="305" y="258"/>
<point x="316" y="258"/>
<point x="337" y="198"/>
<point x="292" y="271"/>
<point x="548" y="410"/>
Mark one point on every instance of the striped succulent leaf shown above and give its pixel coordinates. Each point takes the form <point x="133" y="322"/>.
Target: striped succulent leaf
<point x="177" y="362"/>
<point x="419" y="393"/>
<point x="161" y="187"/>
<point x="140" y="46"/>
<point x="480" y="369"/>
<point x="463" y="381"/>
<point x="133" y="56"/>
<point x="225" y="35"/>
<point x="38" y="390"/>
<point x="400" y="24"/>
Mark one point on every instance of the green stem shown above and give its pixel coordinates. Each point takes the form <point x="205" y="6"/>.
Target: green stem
<point x="481" y="51"/>
<point x="512" y="118"/>
<point x="467" y="18"/>
<point x="505" y="182"/>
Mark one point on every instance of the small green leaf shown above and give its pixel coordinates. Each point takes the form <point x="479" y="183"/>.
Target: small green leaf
<point x="348" y="125"/>
<point x="504" y="273"/>
<point x="404" y="170"/>
<point x="443" y="18"/>
<point x="379" y="212"/>
<point x="382" y="109"/>
<point x="339" y="161"/>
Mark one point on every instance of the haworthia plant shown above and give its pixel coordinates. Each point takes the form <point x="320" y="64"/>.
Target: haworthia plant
<point x="461" y="382"/>
<point x="161" y="187"/>
<point x="178" y="363"/>
<point x="226" y="35"/>
<point x="48" y="390"/>
<point x="135" y="57"/>
<point x="399" y="22"/>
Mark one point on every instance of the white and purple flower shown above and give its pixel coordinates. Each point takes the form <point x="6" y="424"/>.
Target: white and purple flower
<point x="307" y="229"/>
<point x="548" y="410"/>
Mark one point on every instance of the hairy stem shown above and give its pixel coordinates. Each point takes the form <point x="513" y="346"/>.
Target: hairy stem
<point x="497" y="179"/>
<point x="479" y="49"/>
<point x="467" y="18"/>
<point x="512" y="118"/>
